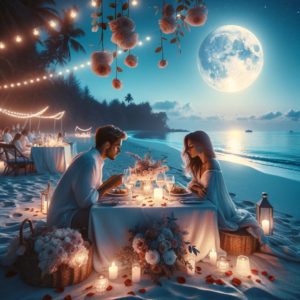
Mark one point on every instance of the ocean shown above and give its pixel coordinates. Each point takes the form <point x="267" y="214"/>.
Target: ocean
<point x="276" y="153"/>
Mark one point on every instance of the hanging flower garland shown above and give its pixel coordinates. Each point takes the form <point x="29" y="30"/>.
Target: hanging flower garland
<point x="174" y="19"/>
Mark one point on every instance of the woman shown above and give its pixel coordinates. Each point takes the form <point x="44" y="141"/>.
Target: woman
<point x="208" y="183"/>
<point x="25" y="151"/>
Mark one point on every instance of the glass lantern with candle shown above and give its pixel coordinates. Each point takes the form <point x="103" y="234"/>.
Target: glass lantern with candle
<point x="222" y="264"/>
<point x="101" y="284"/>
<point x="264" y="214"/>
<point x="243" y="266"/>
<point x="45" y="202"/>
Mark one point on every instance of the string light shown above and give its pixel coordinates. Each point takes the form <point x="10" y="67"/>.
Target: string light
<point x="19" y="115"/>
<point x="134" y="2"/>
<point x="88" y="129"/>
<point x="18" y="39"/>
<point x="93" y="3"/>
<point x="56" y="116"/>
<point x="148" y="38"/>
<point x="36" y="32"/>
<point x="140" y="43"/>
<point x="73" y="13"/>
<point x="2" y="45"/>
<point x="53" y="24"/>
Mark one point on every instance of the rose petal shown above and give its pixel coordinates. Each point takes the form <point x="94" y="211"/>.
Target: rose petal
<point x="265" y="273"/>
<point x="198" y="269"/>
<point x="10" y="273"/>
<point x="236" y="282"/>
<point x="228" y="273"/>
<point x="109" y="288"/>
<point x="220" y="282"/>
<point x="47" y="297"/>
<point x="258" y="280"/>
<point x="142" y="291"/>
<point x="124" y="276"/>
<point x="181" y="280"/>
<point x="209" y="280"/>
<point x="68" y="297"/>
<point x="91" y="294"/>
<point x="271" y="278"/>
<point x="131" y="293"/>
<point x="88" y="287"/>
<point x="254" y="271"/>
<point x="128" y="282"/>
<point x="249" y="276"/>
<point x="59" y="289"/>
<point x="208" y="276"/>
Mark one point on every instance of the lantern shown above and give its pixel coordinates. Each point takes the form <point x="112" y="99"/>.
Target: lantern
<point x="264" y="214"/>
<point x="45" y="199"/>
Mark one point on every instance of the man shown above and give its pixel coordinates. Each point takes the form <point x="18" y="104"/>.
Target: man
<point x="7" y="137"/>
<point x="81" y="185"/>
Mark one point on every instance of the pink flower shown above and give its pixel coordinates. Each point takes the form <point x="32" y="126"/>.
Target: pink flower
<point x="122" y="23"/>
<point x="131" y="61"/>
<point x="168" y="10"/>
<point x="196" y="16"/>
<point x="152" y="257"/>
<point x="162" y="63"/>
<point x="167" y="24"/>
<point x="116" y="83"/>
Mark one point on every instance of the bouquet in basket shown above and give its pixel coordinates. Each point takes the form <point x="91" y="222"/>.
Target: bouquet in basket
<point x="60" y="246"/>
<point x="146" y="168"/>
<point x="160" y="248"/>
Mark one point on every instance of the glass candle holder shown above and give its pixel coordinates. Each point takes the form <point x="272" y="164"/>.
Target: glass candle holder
<point x="213" y="256"/>
<point x="222" y="264"/>
<point x="136" y="272"/>
<point x="101" y="284"/>
<point x="242" y="265"/>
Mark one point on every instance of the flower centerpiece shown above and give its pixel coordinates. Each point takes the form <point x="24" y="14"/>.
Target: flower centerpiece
<point x="159" y="247"/>
<point x="146" y="168"/>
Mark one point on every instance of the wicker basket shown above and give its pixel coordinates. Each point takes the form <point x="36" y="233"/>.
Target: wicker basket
<point x="238" y="242"/>
<point x="64" y="276"/>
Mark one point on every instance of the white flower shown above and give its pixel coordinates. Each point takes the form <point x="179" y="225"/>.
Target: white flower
<point x="138" y="243"/>
<point x="167" y="233"/>
<point x="169" y="257"/>
<point x="67" y="239"/>
<point x="152" y="257"/>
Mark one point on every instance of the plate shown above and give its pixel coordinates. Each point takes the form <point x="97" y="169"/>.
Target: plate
<point x="183" y="194"/>
<point x="117" y="193"/>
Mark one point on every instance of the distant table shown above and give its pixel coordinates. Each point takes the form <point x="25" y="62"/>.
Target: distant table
<point x="109" y="227"/>
<point x="54" y="159"/>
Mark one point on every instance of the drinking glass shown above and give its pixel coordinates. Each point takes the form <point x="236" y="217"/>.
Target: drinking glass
<point x="170" y="181"/>
<point x="160" y="180"/>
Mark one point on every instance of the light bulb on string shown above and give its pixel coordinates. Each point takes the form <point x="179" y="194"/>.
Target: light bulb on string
<point x="134" y="2"/>
<point x="36" y="32"/>
<point x="2" y="45"/>
<point x="148" y="38"/>
<point x="18" y="39"/>
<point x="53" y="24"/>
<point x="73" y="13"/>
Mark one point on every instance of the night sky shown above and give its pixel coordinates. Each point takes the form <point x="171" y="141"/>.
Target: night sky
<point x="180" y="90"/>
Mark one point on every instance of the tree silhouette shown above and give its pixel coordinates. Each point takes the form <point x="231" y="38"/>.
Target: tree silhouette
<point x="128" y="98"/>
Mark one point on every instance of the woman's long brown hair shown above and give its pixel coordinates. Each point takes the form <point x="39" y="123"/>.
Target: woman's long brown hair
<point x="200" y="138"/>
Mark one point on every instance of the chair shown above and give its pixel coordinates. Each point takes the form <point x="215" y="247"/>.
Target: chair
<point x="14" y="160"/>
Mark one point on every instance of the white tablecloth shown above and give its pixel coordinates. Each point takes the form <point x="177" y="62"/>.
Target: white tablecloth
<point x="109" y="227"/>
<point x="51" y="159"/>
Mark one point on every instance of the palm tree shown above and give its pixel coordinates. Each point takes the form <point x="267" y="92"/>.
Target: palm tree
<point x="59" y="44"/>
<point x="128" y="98"/>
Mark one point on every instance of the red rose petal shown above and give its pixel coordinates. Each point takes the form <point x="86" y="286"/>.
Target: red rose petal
<point x="198" y="269"/>
<point x="88" y="287"/>
<point x="109" y="288"/>
<point x="265" y="273"/>
<point x="124" y="276"/>
<point x="131" y="293"/>
<point x="208" y="276"/>
<point x="91" y="294"/>
<point x="59" y="289"/>
<point x="228" y="273"/>
<point x="254" y="271"/>
<point x="210" y="280"/>
<point x="249" y="276"/>
<point x="10" y="273"/>
<point x="128" y="282"/>
<point x="271" y="278"/>
<point x="68" y="297"/>
<point x="47" y="297"/>
<point x="258" y="280"/>
<point x="142" y="291"/>
<point x="164" y="204"/>
<point x="220" y="282"/>
<point x="181" y="280"/>
<point x="143" y="204"/>
<point x="236" y="282"/>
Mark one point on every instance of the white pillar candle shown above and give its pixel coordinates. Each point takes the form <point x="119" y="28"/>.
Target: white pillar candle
<point x="113" y="271"/>
<point x="222" y="264"/>
<point x="158" y="194"/>
<point x="136" y="272"/>
<point x="101" y="283"/>
<point x="44" y="203"/>
<point x="147" y="188"/>
<point x="190" y="268"/>
<point x="213" y="256"/>
<point x="265" y="224"/>
<point x="243" y="265"/>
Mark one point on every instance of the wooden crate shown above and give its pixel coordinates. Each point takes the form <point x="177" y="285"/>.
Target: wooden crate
<point x="238" y="242"/>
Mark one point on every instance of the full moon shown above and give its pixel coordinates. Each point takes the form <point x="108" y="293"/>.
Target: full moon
<point x="230" y="59"/>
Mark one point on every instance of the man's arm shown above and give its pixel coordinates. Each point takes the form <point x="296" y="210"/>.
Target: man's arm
<point x="109" y="184"/>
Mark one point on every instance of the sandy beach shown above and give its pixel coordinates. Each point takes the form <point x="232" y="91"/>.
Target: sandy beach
<point x="19" y="199"/>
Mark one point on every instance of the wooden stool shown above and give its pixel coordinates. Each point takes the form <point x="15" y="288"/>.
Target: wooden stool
<point x="238" y="242"/>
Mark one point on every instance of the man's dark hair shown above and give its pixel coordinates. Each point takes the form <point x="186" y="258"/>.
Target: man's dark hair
<point x="108" y="133"/>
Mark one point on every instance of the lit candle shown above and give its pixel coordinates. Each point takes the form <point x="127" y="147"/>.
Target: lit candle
<point x="191" y="266"/>
<point x="113" y="271"/>
<point x="136" y="272"/>
<point x="266" y="226"/>
<point x="80" y="259"/>
<point x="147" y="188"/>
<point x="243" y="265"/>
<point x="222" y="264"/>
<point x="213" y="256"/>
<point x="158" y="195"/>
<point x="101" y="283"/>
<point x="44" y="203"/>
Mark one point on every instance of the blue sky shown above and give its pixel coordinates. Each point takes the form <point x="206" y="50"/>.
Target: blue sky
<point x="190" y="101"/>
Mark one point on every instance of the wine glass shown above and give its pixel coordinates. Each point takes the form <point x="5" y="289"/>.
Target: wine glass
<point x="127" y="182"/>
<point x="160" y="180"/>
<point x="170" y="181"/>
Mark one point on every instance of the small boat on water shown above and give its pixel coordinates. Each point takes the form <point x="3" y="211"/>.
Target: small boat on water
<point x="248" y="130"/>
